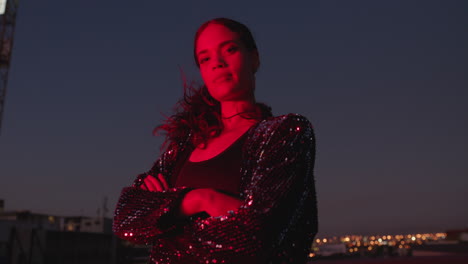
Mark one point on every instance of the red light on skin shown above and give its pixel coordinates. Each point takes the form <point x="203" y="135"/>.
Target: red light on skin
<point x="226" y="66"/>
<point x="212" y="202"/>
<point x="223" y="77"/>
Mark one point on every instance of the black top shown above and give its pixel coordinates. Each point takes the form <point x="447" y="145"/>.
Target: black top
<point x="221" y="172"/>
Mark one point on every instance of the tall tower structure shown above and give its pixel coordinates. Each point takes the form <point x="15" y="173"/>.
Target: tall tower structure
<point x="8" y="9"/>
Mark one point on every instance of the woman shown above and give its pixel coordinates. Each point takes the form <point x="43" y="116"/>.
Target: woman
<point x="235" y="184"/>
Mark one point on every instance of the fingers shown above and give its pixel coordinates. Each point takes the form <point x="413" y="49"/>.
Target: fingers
<point x="163" y="181"/>
<point x="153" y="184"/>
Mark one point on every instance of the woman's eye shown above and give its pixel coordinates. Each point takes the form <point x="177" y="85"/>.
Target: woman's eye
<point x="232" y="49"/>
<point x="202" y="60"/>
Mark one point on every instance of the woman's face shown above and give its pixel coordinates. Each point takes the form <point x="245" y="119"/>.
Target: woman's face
<point x="226" y="66"/>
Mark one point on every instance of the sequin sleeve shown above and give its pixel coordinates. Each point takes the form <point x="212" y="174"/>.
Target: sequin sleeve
<point x="142" y="216"/>
<point x="139" y="214"/>
<point x="279" y="199"/>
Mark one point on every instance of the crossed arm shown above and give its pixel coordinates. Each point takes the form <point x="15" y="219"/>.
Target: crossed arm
<point x="144" y="211"/>
<point x="198" y="200"/>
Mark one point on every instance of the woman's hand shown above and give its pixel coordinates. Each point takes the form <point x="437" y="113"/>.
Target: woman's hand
<point x="154" y="184"/>
<point x="198" y="200"/>
<point x="191" y="204"/>
<point x="208" y="200"/>
<point x="216" y="203"/>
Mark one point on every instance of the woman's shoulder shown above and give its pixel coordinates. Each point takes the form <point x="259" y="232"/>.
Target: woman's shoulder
<point x="283" y="132"/>
<point x="287" y="122"/>
<point x="289" y="127"/>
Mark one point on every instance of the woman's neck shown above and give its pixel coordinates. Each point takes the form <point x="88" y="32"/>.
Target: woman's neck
<point x="232" y="112"/>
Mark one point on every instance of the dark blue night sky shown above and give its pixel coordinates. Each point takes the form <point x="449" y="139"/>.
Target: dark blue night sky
<point x="385" y="84"/>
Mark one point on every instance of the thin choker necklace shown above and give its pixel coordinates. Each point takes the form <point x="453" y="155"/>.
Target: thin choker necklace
<point x="237" y="114"/>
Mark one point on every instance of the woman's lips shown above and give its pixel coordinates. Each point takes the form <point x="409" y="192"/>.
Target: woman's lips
<point x="222" y="78"/>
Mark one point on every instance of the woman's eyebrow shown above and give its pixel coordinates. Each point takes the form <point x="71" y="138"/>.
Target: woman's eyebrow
<point x="224" y="43"/>
<point x="220" y="45"/>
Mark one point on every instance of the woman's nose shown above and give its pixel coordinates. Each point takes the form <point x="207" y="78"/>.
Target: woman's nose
<point x="219" y="62"/>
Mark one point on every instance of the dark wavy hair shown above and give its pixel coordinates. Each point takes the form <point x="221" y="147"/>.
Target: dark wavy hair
<point x="198" y="111"/>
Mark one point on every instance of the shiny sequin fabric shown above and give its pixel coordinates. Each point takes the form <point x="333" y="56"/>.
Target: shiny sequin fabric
<point x="276" y="223"/>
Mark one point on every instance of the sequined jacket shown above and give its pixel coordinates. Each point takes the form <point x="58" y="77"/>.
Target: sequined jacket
<point x="276" y="223"/>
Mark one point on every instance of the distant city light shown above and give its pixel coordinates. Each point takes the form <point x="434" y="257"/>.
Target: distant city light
<point x="370" y="245"/>
<point x="2" y="6"/>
